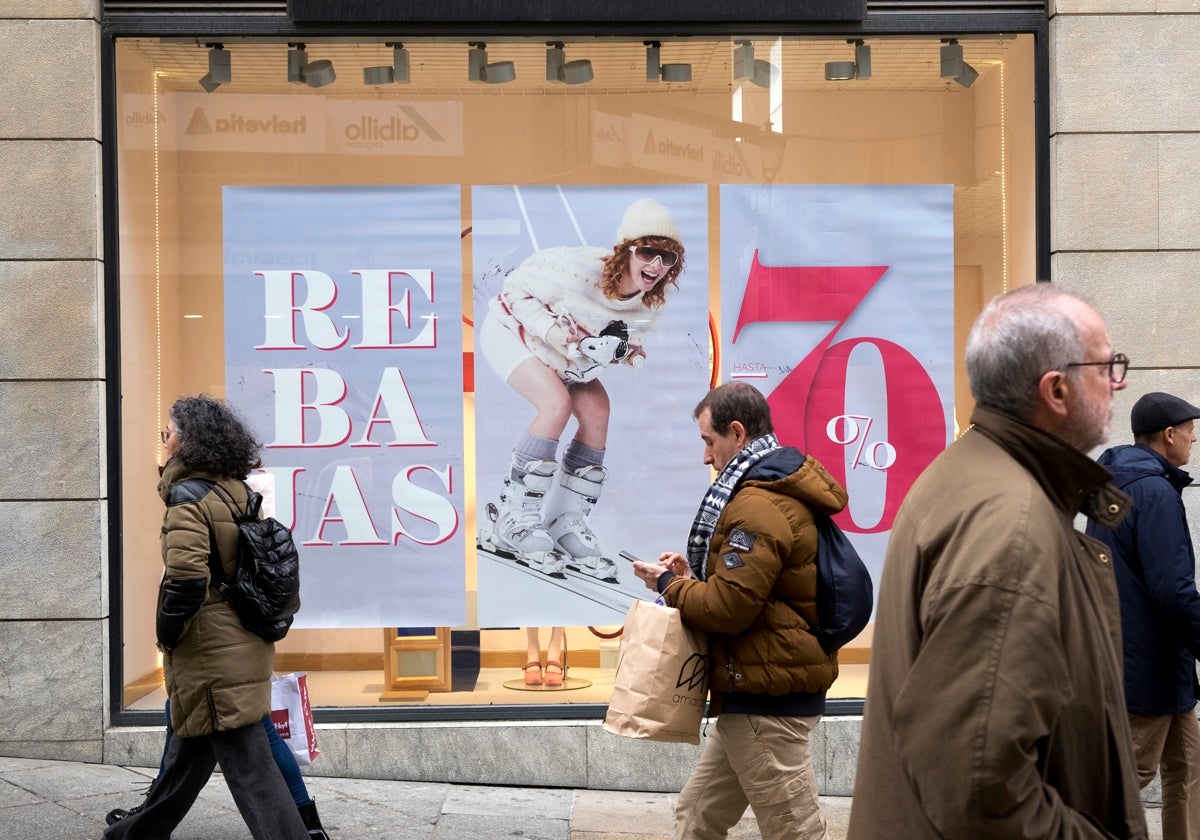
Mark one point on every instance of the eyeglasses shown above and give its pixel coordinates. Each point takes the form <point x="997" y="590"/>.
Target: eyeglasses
<point x="1118" y="365"/>
<point x="649" y="255"/>
<point x="165" y="434"/>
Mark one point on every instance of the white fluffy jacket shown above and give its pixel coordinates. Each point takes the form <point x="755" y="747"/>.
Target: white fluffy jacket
<point x="561" y="286"/>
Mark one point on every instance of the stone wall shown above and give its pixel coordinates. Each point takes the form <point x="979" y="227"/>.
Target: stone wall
<point x="53" y="521"/>
<point x="1125" y="138"/>
<point x="1125" y="183"/>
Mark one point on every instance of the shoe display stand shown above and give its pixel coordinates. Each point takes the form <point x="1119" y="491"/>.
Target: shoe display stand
<point x="568" y="684"/>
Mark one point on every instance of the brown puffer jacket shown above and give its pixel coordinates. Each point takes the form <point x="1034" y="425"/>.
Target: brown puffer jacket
<point x="217" y="673"/>
<point x="759" y="597"/>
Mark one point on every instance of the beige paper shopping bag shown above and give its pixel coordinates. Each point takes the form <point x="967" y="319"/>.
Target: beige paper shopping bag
<point x="662" y="677"/>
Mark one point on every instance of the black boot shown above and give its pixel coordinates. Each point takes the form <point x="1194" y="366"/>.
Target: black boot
<point x="312" y="822"/>
<point x="118" y="814"/>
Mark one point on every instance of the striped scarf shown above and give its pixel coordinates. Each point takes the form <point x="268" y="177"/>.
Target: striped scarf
<point x="718" y="495"/>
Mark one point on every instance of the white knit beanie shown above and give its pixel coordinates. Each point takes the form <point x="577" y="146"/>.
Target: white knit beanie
<point x="646" y="217"/>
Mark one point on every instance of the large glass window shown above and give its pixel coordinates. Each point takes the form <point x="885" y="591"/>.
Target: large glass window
<point x="322" y="235"/>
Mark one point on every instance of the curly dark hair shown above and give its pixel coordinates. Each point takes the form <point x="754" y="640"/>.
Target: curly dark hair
<point x="616" y="264"/>
<point x="213" y="437"/>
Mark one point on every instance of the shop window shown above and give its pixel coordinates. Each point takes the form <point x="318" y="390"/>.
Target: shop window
<point x="322" y="239"/>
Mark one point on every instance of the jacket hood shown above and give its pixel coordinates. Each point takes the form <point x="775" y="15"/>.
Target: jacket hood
<point x="789" y="472"/>
<point x="1128" y="463"/>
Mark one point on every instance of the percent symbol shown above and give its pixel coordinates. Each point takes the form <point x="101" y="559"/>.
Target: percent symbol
<point x="881" y="454"/>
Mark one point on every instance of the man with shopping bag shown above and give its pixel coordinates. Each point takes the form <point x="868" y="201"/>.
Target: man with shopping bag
<point x="750" y="582"/>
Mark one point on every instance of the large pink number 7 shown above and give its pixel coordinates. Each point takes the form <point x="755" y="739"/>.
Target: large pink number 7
<point x="811" y="400"/>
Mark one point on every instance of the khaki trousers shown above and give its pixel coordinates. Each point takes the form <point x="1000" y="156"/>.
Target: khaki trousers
<point x="760" y="761"/>
<point x="1170" y="744"/>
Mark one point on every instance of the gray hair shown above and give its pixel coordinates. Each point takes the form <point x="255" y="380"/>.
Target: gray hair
<point x="1019" y="336"/>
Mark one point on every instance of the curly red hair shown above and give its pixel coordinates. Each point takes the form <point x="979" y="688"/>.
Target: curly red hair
<point x="616" y="265"/>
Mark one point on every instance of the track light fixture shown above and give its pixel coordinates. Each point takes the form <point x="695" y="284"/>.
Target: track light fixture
<point x="297" y="58"/>
<point x="220" y="71"/>
<point x="953" y="65"/>
<point x="558" y="69"/>
<point x="319" y="73"/>
<point x="839" y="71"/>
<point x="756" y="70"/>
<point x="656" y="70"/>
<point x="862" y="59"/>
<point x="384" y="75"/>
<point x="312" y="73"/>
<point x="859" y="68"/>
<point x="479" y="70"/>
<point x="743" y="60"/>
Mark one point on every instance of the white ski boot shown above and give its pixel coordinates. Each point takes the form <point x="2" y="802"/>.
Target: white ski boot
<point x="570" y="530"/>
<point x="514" y="528"/>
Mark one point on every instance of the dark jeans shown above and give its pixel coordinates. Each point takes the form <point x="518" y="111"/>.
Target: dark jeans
<point x="284" y="759"/>
<point x="258" y="789"/>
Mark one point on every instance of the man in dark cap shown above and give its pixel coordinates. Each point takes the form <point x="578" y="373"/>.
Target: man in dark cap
<point x="1160" y="607"/>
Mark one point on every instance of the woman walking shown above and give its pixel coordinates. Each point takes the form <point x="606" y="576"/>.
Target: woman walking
<point x="217" y="673"/>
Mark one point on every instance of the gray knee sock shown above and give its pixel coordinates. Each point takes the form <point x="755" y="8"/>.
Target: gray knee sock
<point x="579" y="455"/>
<point x="533" y="448"/>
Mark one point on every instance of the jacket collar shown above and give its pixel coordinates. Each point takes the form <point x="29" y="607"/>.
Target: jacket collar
<point x="175" y="471"/>
<point x="1179" y="478"/>
<point x="1073" y="482"/>
<point x="1130" y="462"/>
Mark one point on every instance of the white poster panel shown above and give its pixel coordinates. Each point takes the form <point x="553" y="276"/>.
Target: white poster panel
<point x="236" y="122"/>
<point x="349" y="367"/>
<point x="384" y="127"/>
<point x="837" y="302"/>
<point x="610" y="138"/>
<point x="242" y="122"/>
<point x="662" y="145"/>
<point x="687" y="150"/>
<point x="553" y="239"/>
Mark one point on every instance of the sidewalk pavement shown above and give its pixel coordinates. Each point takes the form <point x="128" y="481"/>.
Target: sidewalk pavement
<point x="64" y="800"/>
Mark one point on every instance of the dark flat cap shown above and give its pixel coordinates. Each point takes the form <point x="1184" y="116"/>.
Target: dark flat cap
<point x="1156" y="411"/>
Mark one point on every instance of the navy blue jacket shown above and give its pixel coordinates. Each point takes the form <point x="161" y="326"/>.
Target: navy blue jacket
<point x="1156" y="577"/>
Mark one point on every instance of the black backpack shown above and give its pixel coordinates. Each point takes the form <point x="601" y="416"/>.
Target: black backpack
<point x="265" y="590"/>
<point x="845" y="594"/>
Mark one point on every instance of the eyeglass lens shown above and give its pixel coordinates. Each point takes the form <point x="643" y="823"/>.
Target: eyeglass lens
<point x="645" y="254"/>
<point x="1117" y="368"/>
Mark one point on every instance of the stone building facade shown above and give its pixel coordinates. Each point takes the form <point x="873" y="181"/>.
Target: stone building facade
<point x="1123" y="140"/>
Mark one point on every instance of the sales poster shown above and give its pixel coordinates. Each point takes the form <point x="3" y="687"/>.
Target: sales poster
<point x="837" y="302"/>
<point x="539" y="260"/>
<point x="343" y="349"/>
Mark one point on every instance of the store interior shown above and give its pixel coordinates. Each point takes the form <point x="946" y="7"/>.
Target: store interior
<point x="889" y="115"/>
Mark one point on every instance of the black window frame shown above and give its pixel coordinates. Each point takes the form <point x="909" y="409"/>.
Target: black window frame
<point x="214" y="21"/>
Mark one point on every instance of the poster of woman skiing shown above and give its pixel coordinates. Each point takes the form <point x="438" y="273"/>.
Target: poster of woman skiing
<point x="591" y="348"/>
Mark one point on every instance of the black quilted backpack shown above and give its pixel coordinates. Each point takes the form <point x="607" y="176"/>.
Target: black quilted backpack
<point x="265" y="590"/>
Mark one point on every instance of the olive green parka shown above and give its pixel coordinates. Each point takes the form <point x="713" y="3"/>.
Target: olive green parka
<point x="217" y="673"/>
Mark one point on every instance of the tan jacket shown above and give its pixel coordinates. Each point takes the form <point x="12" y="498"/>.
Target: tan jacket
<point x="995" y="707"/>
<point x="218" y="674"/>
<point x="758" y="603"/>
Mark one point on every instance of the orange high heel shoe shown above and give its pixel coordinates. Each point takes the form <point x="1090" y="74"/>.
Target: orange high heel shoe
<point x="554" y="679"/>
<point x="533" y="677"/>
